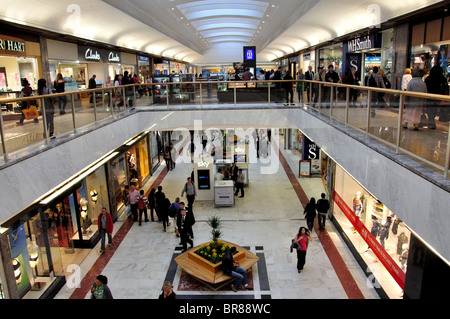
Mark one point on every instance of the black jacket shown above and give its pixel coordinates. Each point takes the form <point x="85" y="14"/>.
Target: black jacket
<point x="310" y="211"/>
<point x="323" y="205"/>
<point x="186" y="226"/>
<point x="228" y="264"/>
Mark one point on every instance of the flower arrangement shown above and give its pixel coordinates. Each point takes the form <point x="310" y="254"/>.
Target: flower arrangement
<point x="213" y="251"/>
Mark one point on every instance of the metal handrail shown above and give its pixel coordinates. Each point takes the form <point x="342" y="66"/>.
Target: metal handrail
<point x="268" y="83"/>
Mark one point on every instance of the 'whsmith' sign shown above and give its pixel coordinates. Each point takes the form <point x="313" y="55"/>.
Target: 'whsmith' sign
<point x="12" y="46"/>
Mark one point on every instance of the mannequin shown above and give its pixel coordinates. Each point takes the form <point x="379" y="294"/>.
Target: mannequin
<point x="357" y="206"/>
<point x="403" y="257"/>
<point x="402" y="240"/>
<point x="384" y="232"/>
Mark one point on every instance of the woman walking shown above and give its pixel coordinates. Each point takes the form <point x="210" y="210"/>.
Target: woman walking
<point x="49" y="108"/>
<point x="302" y="239"/>
<point x="310" y="213"/>
<point x="100" y="289"/>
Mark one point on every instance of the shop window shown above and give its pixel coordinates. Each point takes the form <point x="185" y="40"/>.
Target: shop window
<point x="380" y="237"/>
<point x="119" y="177"/>
<point x="144" y="165"/>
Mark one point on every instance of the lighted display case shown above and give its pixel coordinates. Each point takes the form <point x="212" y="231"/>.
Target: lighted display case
<point x="160" y="90"/>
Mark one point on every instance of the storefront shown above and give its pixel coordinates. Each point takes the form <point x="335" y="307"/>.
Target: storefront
<point x="145" y="71"/>
<point x="377" y="237"/>
<point x="367" y="51"/>
<point x="430" y="45"/>
<point x="307" y="59"/>
<point x="19" y="60"/>
<point x="331" y="55"/>
<point x="161" y="67"/>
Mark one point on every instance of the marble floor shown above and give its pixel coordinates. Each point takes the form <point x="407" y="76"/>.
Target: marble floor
<point x="264" y="221"/>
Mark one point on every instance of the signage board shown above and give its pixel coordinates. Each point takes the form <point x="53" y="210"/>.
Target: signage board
<point x="93" y="54"/>
<point x="12" y="46"/>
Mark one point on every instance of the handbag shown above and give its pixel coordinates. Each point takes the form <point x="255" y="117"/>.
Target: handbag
<point x="31" y="113"/>
<point x="128" y="210"/>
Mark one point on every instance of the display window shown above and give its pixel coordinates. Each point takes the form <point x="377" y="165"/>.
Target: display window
<point x="119" y="177"/>
<point x="331" y="56"/>
<point x="75" y="74"/>
<point x="425" y="56"/>
<point x="144" y="164"/>
<point x="155" y="141"/>
<point x="379" y="236"/>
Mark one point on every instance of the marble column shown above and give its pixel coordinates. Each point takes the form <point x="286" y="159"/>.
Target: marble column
<point x="5" y="252"/>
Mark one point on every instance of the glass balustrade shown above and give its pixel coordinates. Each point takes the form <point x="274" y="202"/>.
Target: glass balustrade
<point x="377" y="114"/>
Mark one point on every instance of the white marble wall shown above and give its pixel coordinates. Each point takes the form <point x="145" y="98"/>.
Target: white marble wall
<point x="422" y="205"/>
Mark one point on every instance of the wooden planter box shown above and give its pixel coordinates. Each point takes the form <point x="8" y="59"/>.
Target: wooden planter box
<point x="209" y="266"/>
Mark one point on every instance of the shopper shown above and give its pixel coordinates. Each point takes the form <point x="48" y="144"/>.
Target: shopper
<point x="174" y="210"/>
<point x="310" y="213"/>
<point x="105" y="225"/>
<point x="234" y="172"/>
<point x="100" y="289"/>
<point x="331" y="77"/>
<point x="300" y="85"/>
<point x="436" y="84"/>
<point x="48" y="105"/>
<point x="247" y="76"/>
<point x="167" y="291"/>
<point x="60" y="88"/>
<point x="414" y="105"/>
<point x="142" y="203"/>
<point x="92" y="85"/>
<point x="168" y="158"/>
<point x="118" y="95"/>
<point x="231" y="268"/>
<point x="302" y="239"/>
<point x="133" y="195"/>
<point x="376" y="80"/>
<point x="151" y="203"/>
<point x="159" y="200"/>
<point x="240" y="184"/>
<point x="26" y="91"/>
<point x="173" y="155"/>
<point x="184" y="224"/>
<point x="164" y="212"/>
<point x="323" y="205"/>
<point x="351" y="78"/>
<point x="309" y="75"/>
<point x="406" y="78"/>
<point x="191" y="192"/>
<point x="287" y="86"/>
<point x="318" y="88"/>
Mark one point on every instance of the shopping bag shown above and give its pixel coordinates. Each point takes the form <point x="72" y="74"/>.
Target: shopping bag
<point x="31" y="113"/>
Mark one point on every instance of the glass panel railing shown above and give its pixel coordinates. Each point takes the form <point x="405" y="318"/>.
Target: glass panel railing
<point x="375" y="113"/>
<point x="22" y="129"/>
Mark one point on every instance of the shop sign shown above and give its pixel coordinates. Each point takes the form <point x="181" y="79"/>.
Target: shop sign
<point x="87" y="53"/>
<point x="12" y="46"/>
<point x="143" y="58"/>
<point x="114" y="57"/>
<point x="367" y="42"/>
<point x="250" y="53"/>
<point x="307" y="57"/>
<point x="395" y="271"/>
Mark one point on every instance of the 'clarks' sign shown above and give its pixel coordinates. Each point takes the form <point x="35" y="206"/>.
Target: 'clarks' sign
<point x="12" y="46"/>
<point x="93" y="54"/>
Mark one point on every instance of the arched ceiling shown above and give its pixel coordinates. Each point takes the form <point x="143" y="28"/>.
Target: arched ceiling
<point x="207" y="31"/>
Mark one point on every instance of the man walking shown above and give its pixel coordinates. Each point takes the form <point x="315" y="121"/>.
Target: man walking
<point x="240" y="183"/>
<point x="191" y="192"/>
<point x="323" y="205"/>
<point x="105" y="225"/>
<point x="309" y="75"/>
<point x="184" y="225"/>
<point x="133" y="195"/>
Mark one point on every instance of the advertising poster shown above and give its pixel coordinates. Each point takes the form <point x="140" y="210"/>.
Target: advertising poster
<point x="20" y="256"/>
<point x="305" y="168"/>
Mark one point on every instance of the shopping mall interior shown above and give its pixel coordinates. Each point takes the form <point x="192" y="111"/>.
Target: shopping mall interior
<point x="193" y="108"/>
